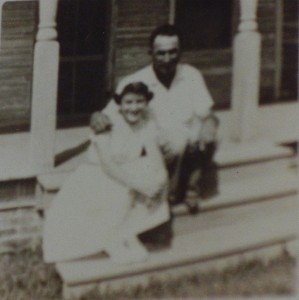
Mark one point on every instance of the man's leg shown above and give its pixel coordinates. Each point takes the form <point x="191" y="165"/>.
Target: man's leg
<point x="208" y="181"/>
<point x="180" y="169"/>
<point x="190" y="162"/>
<point x="200" y="166"/>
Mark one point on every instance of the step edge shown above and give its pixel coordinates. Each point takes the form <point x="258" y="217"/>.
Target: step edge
<point x="225" y="200"/>
<point x="15" y="204"/>
<point x="230" y="163"/>
<point x="180" y="262"/>
<point x="272" y="232"/>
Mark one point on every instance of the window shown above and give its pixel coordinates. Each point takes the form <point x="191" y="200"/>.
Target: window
<point x="204" y="24"/>
<point x="289" y="70"/>
<point x="82" y="34"/>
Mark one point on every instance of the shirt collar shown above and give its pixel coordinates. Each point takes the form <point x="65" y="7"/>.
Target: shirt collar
<point x="155" y="81"/>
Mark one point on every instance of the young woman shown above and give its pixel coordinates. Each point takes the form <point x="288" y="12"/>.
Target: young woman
<point x="117" y="194"/>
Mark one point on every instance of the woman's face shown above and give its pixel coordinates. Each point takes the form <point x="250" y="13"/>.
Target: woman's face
<point x="132" y="107"/>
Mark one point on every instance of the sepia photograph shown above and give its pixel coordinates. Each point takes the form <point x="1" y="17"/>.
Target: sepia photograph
<point x="148" y="149"/>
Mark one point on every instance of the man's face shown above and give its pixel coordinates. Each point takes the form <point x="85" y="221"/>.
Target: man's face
<point x="165" y="54"/>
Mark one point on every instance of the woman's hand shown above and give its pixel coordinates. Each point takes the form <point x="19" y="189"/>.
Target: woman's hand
<point x="153" y="188"/>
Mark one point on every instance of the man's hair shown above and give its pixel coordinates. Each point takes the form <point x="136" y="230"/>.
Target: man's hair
<point x="135" y="87"/>
<point x="165" y="30"/>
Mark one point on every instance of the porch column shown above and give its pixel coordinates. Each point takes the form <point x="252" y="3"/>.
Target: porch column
<point x="44" y="89"/>
<point x="246" y="74"/>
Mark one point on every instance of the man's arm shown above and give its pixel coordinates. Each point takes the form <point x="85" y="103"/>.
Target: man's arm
<point x="100" y="122"/>
<point x="203" y="106"/>
<point x="209" y="128"/>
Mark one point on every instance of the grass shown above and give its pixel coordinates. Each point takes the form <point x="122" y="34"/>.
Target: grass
<point x="25" y="277"/>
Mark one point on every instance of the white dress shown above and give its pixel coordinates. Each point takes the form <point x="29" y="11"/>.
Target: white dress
<point x="92" y="208"/>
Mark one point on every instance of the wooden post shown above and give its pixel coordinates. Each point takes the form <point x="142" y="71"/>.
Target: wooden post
<point x="44" y="90"/>
<point x="246" y="74"/>
<point x="172" y="5"/>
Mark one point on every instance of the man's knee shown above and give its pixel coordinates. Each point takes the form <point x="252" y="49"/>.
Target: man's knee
<point x="209" y="129"/>
<point x="173" y="149"/>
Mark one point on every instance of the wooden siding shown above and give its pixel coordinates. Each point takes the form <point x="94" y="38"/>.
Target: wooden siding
<point x="216" y="66"/>
<point x="289" y="78"/>
<point x="266" y="16"/>
<point x="17" y="41"/>
<point x="134" y="20"/>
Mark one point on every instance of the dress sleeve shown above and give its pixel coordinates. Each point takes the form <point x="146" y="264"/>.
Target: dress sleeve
<point x="96" y="141"/>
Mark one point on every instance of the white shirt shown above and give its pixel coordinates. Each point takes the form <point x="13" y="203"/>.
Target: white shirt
<point x="177" y="107"/>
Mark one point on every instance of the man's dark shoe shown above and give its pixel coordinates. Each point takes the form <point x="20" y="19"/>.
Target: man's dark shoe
<point x="193" y="209"/>
<point x="192" y="203"/>
<point x="172" y="200"/>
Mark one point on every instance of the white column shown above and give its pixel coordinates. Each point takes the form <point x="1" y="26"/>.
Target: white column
<point x="246" y="74"/>
<point x="44" y="89"/>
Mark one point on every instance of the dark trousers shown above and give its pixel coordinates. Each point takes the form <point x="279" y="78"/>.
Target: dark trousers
<point x="192" y="161"/>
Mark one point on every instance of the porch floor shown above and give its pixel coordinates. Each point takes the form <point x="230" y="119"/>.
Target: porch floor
<point x="209" y="240"/>
<point x="15" y="160"/>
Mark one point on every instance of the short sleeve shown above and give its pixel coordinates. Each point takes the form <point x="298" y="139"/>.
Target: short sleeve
<point x="202" y="99"/>
<point x="96" y="141"/>
<point x="99" y="139"/>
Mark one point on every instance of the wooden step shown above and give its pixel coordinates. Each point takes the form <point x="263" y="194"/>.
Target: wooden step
<point x="258" y="188"/>
<point x="242" y="168"/>
<point x="240" y="231"/>
<point x="234" y="193"/>
<point x="240" y="161"/>
<point x="234" y="161"/>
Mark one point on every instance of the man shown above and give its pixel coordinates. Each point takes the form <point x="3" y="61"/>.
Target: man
<point x="181" y="108"/>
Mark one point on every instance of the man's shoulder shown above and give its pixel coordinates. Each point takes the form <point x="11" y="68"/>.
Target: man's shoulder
<point x="188" y="70"/>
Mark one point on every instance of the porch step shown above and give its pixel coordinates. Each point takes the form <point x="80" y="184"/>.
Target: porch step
<point x="258" y="188"/>
<point x="234" y="162"/>
<point x="240" y="168"/>
<point x="240" y="161"/>
<point x="209" y="240"/>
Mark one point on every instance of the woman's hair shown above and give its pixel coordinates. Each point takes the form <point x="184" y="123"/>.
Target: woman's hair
<point x="135" y="87"/>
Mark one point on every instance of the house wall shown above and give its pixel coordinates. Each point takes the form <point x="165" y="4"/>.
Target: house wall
<point x="17" y="40"/>
<point x="134" y="20"/>
<point x="137" y="18"/>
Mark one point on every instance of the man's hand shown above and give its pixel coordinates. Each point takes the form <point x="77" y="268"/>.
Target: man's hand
<point x="99" y="122"/>
<point x="208" y="131"/>
<point x="173" y="143"/>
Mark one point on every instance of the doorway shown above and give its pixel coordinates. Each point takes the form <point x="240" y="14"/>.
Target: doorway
<point x="83" y="33"/>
